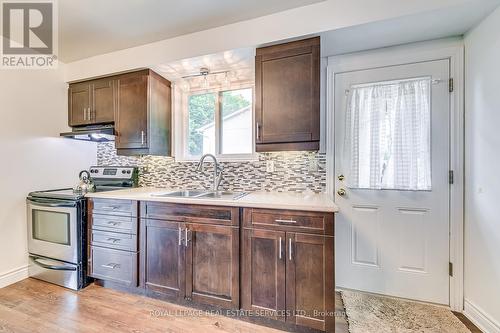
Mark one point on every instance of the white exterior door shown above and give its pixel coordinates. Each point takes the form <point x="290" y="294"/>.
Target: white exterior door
<point x="392" y="149"/>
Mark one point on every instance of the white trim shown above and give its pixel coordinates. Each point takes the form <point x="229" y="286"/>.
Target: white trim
<point x="13" y="276"/>
<point x="450" y="48"/>
<point x="480" y="318"/>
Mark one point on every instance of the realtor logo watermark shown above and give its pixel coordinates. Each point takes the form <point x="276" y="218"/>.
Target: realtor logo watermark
<point x="29" y="34"/>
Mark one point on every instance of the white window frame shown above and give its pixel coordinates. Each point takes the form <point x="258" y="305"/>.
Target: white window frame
<point x="182" y="153"/>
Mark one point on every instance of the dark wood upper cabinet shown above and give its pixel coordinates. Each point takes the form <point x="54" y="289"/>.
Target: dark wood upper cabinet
<point x="91" y="102"/>
<point x="103" y="101"/>
<point x="143" y="114"/>
<point x="138" y="103"/>
<point x="131" y="123"/>
<point x="263" y="272"/>
<point x="287" y="88"/>
<point x="79" y="101"/>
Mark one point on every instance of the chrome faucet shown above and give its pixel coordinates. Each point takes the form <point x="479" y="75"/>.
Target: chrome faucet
<point x="217" y="170"/>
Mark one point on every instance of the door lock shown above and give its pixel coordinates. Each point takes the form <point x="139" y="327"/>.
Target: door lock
<point x="341" y="192"/>
<point x="341" y="177"/>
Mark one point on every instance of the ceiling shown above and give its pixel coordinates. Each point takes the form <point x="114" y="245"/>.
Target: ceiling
<point x="239" y="63"/>
<point x="92" y="27"/>
<point x="452" y="21"/>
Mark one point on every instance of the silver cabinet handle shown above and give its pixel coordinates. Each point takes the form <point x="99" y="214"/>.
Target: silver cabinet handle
<point x="110" y="207"/>
<point x="113" y="223"/>
<point x="84" y="113"/>
<point x="257" y="128"/>
<point x="280" y="249"/>
<point x="90" y="114"/>
<point x="180" y="236"/>
<point x="186" y="236"/>
<point x="114" y="240"/>
<point x="289" y="248"/>
<point x="142" y="138"/>
<point x="285" y="221"/>
<point x="111" y="266"/>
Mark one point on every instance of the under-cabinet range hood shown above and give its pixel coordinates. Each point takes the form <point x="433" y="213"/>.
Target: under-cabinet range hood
<point x="99" y="133"/>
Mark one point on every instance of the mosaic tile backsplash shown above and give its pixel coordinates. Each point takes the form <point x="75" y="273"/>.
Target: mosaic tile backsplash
<point x="293" y="171"/>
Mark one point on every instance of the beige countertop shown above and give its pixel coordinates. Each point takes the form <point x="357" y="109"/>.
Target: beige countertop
<point x="273" y="200"/>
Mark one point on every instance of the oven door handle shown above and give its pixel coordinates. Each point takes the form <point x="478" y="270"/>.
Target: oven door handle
<point x="52" y="267"/>
<point x="52" y="203"/>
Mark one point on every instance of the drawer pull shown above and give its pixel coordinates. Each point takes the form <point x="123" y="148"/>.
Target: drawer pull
<point x="111" y="266"/>
<point x="113" y="223"/>
<point x="280" y="249"/>
<point x="114" y="240"/>
<point x="285" y="221"/>
<point x="109" y="207"/>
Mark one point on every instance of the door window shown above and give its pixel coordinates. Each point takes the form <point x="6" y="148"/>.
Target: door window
<point x="53" y="227"/>
<point x="387" y="141"/>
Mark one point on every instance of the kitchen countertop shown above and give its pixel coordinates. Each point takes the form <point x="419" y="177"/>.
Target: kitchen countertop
<point x="318" y="202"/>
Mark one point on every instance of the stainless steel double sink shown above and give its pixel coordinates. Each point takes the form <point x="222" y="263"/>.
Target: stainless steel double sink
<point x="201" y="194"/>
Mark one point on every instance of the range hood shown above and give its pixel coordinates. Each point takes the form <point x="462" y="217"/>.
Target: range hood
<point x="100" y="133"/>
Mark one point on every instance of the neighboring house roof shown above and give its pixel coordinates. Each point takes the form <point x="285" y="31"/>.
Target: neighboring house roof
<point x="229" y="116"/>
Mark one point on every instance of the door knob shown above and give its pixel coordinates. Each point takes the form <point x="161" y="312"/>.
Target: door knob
<point x="341" y="192"/>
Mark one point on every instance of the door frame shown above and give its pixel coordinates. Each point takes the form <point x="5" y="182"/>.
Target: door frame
<point x="453" y="50"/>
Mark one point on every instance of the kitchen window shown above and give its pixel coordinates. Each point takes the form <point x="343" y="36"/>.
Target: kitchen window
<point x="220" y="122"/>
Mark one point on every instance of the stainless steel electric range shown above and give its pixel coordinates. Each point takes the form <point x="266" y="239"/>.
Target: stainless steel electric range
<point x="57" y="227"/>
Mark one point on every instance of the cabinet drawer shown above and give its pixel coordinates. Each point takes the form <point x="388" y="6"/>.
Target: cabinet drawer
<point x="127" y="242"/>
<point x="112" y="223"/>
<point x="115" y="207"/>
<point x="298" y="221"/>
<point x="114" y="265"/>
<point x="190" y="213"/>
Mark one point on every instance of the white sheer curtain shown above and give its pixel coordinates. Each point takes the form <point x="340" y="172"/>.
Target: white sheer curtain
<point x="387" y="142"/>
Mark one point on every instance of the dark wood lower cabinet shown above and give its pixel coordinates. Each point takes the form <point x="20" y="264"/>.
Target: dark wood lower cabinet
<point x="288" y="267"/>
<point x="163" y="258"/>
<point x="212" y="265"/>
<point x="310" y="286"/>
<point x="191" y="261"/>
<point x="263" y="273"/>
<point x="286" y="275"/>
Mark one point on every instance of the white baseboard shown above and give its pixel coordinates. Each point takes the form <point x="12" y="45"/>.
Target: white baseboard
<point x="13" y="276"/>
<point x="480" y="318"/>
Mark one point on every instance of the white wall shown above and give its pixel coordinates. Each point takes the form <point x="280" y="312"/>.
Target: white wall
<point x="482" y="180"/>
<point x="33" y="112"/>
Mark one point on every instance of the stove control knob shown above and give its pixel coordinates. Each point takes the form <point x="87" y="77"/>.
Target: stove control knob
<point x="123" y="171"/>
<point x="128" y="171"/>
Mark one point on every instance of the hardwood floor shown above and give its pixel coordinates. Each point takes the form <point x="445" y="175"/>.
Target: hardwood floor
<point x="34" y="306"/>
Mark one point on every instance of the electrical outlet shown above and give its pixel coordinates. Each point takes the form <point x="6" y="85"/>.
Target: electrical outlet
<point x="269" y="166"/>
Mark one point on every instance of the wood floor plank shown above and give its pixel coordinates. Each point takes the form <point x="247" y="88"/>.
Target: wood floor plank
<point x="33" y="306"/>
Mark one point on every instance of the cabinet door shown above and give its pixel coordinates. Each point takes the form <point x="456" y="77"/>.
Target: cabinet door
<point x="103" y="101"/>
<point x="263" y="273"/>
<point x="79" y="104"/>
<point x="310" y="296"/>
<point x="212" y="265"/>
<point x="131" y="123"/>
<point x="163" y="257"/>
<point x="287" y="96"/>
